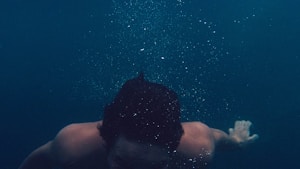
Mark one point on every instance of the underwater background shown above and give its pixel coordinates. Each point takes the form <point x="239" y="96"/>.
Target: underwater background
<point x="61" y="62"/>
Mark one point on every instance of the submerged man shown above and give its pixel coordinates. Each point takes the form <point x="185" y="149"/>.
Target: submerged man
<point x="141" y="129"/>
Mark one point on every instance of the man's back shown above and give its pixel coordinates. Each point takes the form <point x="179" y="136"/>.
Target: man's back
<point x="81" y="146"/>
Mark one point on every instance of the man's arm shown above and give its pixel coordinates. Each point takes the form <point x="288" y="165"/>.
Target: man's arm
<point x="239" y="136"/>
<point x="41" y="158"/>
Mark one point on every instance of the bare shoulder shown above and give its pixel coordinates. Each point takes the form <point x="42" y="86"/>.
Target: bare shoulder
<point x="196" y="131"/>
<point x="195" y="125"/>
<point x="76" y="141"/>
<point x="197" y="141"/>
<point x="78" y="129"/>
<point x="196" y="147"/>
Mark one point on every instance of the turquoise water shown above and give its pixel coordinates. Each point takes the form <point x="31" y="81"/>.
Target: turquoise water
<point x="62" y="62"/>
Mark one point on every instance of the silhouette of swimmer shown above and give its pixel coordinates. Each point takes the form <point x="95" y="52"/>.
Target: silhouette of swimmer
<point x="141" y="128"/>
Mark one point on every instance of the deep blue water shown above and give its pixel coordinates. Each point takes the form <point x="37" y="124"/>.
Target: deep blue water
<point x="63" y="61"/>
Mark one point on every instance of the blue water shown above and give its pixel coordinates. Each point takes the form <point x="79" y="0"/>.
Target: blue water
<point x="63" y="61"/>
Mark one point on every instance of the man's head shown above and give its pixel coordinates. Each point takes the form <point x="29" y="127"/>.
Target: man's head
<point x="144" y="113"/>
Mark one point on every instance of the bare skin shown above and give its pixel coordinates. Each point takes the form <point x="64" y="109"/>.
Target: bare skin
<point x="80" y="146"/>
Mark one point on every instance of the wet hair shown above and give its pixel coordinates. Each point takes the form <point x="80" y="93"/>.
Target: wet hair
<point x="143" y="111"/>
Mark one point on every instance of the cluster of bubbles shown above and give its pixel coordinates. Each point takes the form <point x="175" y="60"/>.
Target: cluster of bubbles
<point x="162" y="39"/>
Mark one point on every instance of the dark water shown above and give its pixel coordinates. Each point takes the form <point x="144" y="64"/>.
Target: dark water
<point x="63" y="61"/>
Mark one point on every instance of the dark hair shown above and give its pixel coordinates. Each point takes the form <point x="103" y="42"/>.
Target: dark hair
<point x="143" y="111"/>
